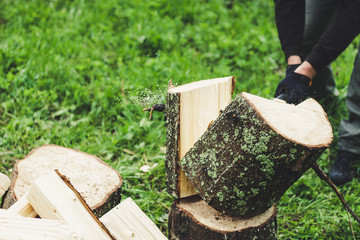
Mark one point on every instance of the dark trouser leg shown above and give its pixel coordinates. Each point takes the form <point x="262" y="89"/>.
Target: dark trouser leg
<point x="349" y="133"/>
<point x="343" y="169"/>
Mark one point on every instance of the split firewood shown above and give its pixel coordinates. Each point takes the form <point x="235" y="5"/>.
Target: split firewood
<point x="254" y="151"/>
<point x="4" y="184"/>
<point x="98" y="183"/>
<point x="23" y="208"/>
<point x="190" y="108"/>
<point x="15" y="228"/>
<point x="53" y="197"/>
<point x="192" y="219"/>
<point x="128" y="221"/>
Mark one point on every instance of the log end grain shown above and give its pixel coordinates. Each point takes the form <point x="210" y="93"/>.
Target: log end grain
<point x="192" y="219"/>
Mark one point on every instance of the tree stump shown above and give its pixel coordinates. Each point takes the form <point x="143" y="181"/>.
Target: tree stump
<point x="189" y="111"/>
<point x="98" y="183"/>
<point x="254" y="151"/>
<point x="192" y="219"/>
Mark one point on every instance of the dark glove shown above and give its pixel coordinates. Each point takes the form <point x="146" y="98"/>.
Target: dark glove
<point x="294" y="88"/>
<point x="291" y="68"/>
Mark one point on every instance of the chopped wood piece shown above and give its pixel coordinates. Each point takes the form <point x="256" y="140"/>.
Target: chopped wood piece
<point x="54" y="198"/>
<point x="254" y="151"/>
<point x="192" y="219"/>
<point x="15" y="228"/>
<point x="23" y="208"/>
<point x="127" y="221"/>
<point x="4" y="184"/>
<point x="98" y="183"/>
<point x="189" y="111"/>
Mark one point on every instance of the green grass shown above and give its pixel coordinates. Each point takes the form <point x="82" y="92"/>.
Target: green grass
<point x="78" y="73"/>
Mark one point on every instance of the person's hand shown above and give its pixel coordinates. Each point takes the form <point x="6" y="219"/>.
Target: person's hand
<point x="294" y="88"/>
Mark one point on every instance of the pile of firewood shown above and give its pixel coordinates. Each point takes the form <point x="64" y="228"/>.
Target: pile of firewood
<point x="60" y="193"/>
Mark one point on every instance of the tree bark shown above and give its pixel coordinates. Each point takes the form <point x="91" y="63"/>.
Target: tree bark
<point x="192" y="219"/>
<point x="172" y="143"/>
<point x="241" y="166"/>
<point x="84" y="171"/>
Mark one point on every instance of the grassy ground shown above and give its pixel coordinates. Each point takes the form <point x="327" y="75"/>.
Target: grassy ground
<point x="78" y="73"/>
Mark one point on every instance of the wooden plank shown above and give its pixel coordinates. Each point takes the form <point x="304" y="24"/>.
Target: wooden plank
<point x="23" y="208"/>
<point x="190" y="110"/>
<point x="6" y="213"/>
<point x="15" y="228"/>
<point x="53" y="198"/>
<point x="127" y="221"/>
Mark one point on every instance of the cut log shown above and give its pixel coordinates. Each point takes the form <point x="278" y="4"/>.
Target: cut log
<point x="254" y="151"/>
<point x="98" y="183"/>
<point x="23" y="208"/>
<point x="4" y="184"/>
<point x="127" y="221"/>
<point x="15" y="228"/>
<point x="192" y="219"/>
<point x="53" y="197"/>
<point x="189" y="111"/>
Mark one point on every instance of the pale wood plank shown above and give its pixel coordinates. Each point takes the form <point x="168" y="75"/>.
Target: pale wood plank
<point x="52" y="198"/>
<point x="15" y="228"/>
<point x="23" y="208"/>
<point x="128" y="221"/>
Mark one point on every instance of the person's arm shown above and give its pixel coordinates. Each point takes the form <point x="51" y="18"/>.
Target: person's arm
<point x="340" y="33"/>
<point x="290" y="21"/>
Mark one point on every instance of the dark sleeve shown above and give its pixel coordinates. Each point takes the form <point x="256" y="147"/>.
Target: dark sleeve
<point x="290" y="21"/>
<point x="340" y="33"/>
